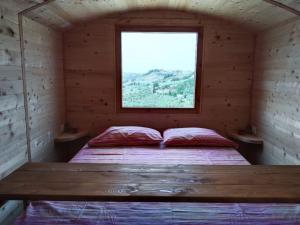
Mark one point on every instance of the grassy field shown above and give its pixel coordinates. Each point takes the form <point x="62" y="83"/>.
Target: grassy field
<point x="158" y="89"/>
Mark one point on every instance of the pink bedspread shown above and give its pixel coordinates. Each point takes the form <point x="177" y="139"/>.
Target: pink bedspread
<point x="139" y="213"/>
<point x="161" y="155"/>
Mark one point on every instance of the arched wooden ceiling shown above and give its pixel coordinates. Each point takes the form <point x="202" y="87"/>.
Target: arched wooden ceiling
<point x="253" y="14"/>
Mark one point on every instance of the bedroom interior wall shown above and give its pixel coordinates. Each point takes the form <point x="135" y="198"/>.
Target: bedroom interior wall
<point x="90" y="73"/>
<point x="13" y="149"/>
<point x="45" y="91"/>
<point x="276" y="93"/>
<point x="45" y="86"/>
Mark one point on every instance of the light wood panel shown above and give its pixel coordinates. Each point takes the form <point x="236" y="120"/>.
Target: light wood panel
<point x="12" y="115"/>
<point x="13" y="149"/>
<point x="295" y="4"/>
<point x="90" y="74"/>
<point x="44" y="67"/>
<point x="19" y="5"/>
<point x="157" y="183"/>
<point x="276" y="93"/>
<point x="45" y="86"/>
<point x="9" y="211"/>
<point x="255" y="14"/>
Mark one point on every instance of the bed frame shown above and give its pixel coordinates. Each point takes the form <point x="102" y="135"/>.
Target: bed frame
<point x="156" y="183"/>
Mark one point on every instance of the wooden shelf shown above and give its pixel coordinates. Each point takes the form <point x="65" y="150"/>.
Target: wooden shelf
<point x="246" y="138"/>
<point x="157" y="183"/>
<point x="66" y="137"/>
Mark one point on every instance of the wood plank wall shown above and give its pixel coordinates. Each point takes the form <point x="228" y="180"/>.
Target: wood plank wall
<point x="45" y="83"/>
<point x="276" y="93"/>
<point x="90" y="73"/>
<point x="13" y="149"/>
<point x="45" y="87"/>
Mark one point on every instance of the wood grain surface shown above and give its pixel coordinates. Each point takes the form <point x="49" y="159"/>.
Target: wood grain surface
<point x="161" y="183"/>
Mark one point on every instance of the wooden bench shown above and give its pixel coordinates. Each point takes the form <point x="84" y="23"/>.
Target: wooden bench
<point x="162" y="183"/>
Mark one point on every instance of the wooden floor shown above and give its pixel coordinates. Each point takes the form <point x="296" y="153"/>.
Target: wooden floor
<point x="163" y="183"/>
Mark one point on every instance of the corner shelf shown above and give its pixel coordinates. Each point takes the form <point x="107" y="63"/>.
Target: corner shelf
<point x="246" y="138"/>
<point x="67" y="137"/>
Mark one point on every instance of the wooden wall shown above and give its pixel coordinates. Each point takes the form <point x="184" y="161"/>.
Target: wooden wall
<point x="45" y="87"/>
<point x="43" y="55"/>
<point x="276" y="93"/>
<point x="13" y="148"/>
<point x="90" y="74"/>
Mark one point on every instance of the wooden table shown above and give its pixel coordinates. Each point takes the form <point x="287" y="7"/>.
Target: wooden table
<point x="163" y="183"/>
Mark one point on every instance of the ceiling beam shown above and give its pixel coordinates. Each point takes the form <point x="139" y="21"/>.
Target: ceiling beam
<point x="283" y="6"/>
<point x="35" y="7"/>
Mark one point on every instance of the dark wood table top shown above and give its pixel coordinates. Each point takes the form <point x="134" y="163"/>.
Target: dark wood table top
<point x="162" y="183"/>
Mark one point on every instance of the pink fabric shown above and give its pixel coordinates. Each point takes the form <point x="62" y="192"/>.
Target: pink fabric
<point x="161" y="155"/>
<point x="193" y="136"/>
<point x="153" y="213"/>
<point x="126" y="136"/>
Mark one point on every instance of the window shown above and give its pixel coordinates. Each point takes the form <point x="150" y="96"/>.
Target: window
<point x="158" y="68"/>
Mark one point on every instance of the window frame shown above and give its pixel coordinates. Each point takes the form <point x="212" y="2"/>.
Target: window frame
<point x="118" y="51"/>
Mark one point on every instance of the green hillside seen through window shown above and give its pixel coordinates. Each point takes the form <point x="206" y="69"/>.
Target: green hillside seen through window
<point x="158" y="69"/>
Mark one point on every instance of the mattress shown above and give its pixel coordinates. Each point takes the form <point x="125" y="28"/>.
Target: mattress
<point x="154" y="213"/>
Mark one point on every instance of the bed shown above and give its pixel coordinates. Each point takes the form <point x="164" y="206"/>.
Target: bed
<point x="144" y="213"/>
<point x="161" y="155"/>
